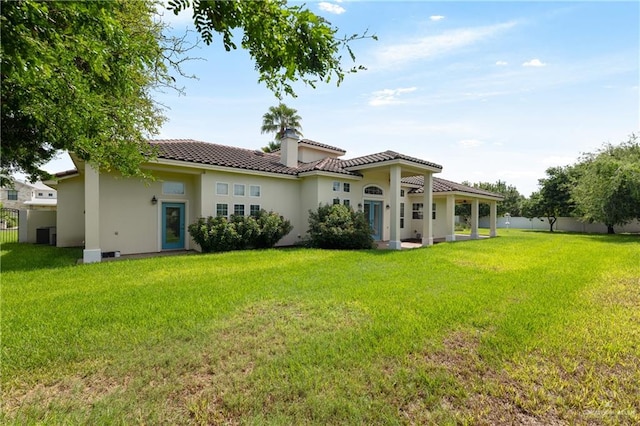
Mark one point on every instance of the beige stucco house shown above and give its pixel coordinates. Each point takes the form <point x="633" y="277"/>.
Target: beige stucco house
<point x="105" y="212"/>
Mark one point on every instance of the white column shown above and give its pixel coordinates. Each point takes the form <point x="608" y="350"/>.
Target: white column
<point x="427" y="225"/>
<point x="394" y="195"/>
<point x="92" y="252"/>
<point x="475" y="209"/>
<point x="23" y="231"/>
<point x="451" y="218"/>
<point x="493" y="217"/>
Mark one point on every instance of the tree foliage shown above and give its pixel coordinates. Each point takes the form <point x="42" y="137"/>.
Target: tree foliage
<point x="287" y="43"/>
<point x="511" y="204"/>
<point x="607" y="187"/>
<point x="78" y="76"/>
<point x="554" y="198"/>
<point x="277" y="120"/>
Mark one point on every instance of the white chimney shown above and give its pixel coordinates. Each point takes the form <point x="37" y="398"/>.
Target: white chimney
<point x="289" y="148"/>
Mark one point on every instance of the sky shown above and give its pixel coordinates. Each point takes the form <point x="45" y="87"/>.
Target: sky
<point x="489" y="90"/>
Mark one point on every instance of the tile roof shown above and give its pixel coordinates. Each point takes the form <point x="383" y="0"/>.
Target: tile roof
<point x="220" y="155"/>
<point x="322" y="145"/>
<point x="386" y="156"/>
<point x="443" y="185"/>
<point x="328" y="164"/>
<point x="240" y="158"/>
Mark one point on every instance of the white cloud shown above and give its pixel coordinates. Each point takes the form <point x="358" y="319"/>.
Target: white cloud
<point x="436" y="17"/>
<point x="470" y="143"/>
<point x="431" y="46"/>
<point x="534" y="63"/>
<point x="502" y="63"/>
<point x="331" y="8"/>
<point x="389" y="96"/>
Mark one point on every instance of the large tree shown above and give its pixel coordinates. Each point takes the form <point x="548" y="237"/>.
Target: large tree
<point x="277" y="120"/>
<point x="79" y="76"/>
<point x="287" y="43"/>
<point x="512" y="202"/>
<point x="554" y="199"/>
<point x="608" y="185"/>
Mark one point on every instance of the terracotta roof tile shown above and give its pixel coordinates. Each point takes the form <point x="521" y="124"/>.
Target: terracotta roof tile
<point x="220" y="155"/>
<point x="322" y="145"/>
<point x="328" y="164"/>
<point x="442" y="185"/>
<point x="386" y="156"/>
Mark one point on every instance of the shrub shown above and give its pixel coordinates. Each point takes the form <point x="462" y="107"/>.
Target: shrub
<point x="262" y="230"/>
<point x="339" y="227"/>
<point x="272" y="228"/>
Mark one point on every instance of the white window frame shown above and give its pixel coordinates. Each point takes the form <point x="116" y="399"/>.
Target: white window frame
<point x="239" y="205"/>
<point x="364" y="191"/>
<point x="251" y="187"/>
<point x="237" y="186"/>
<point x="227" y="208"/>
<point x="419" y="211"/>
<point x="218" y="188"/>
<point x="173" y="188"/>
<point x="336" y="186"/>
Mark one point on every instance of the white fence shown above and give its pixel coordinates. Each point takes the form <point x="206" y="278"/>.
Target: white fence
<point x="563" y="224"/>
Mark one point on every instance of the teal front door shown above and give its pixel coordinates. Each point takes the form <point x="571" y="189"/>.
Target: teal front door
<point x="373" y="211"/>
<point x="172" y="226"/>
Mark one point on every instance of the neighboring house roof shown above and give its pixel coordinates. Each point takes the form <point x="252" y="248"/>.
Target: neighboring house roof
<point x="442" y="185"/>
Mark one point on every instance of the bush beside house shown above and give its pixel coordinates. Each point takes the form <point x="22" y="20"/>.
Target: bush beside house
<point x="339" y="227"/>
<point x="262" y="230"/>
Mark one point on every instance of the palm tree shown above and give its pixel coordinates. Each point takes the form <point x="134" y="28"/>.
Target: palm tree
<point x="277" y="120"/>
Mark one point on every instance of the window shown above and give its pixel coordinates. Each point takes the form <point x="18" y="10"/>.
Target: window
<point x="402" y="192"/>
<point x="40" y="194"/>
<point x="238" y="209"/>
<point x="12" y="194"/>
<point x="373" y="190"/>
<point x="418" y="210"/>
<point x="254" y="190"/>
<point x="51" y="194"/>
<point x="346" y="187"/>
<point x="401" y="215"/>
<point x="173" y="188"/>
<point x="336" y="201"/>
<point x="336" y="186"/>
<point x="254" y="209"/>
<point x="222" y="188"/>
<point x="347" y="203"/>
<point x="222" y="210"/>
<point x="433" y="211"/>
<point x="238" y="190"/>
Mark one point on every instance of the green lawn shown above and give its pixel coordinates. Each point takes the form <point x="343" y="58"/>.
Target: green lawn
<point x="531" y="328"/>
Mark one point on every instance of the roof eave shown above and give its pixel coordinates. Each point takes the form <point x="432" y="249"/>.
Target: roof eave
<point x="408" y="166"/>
